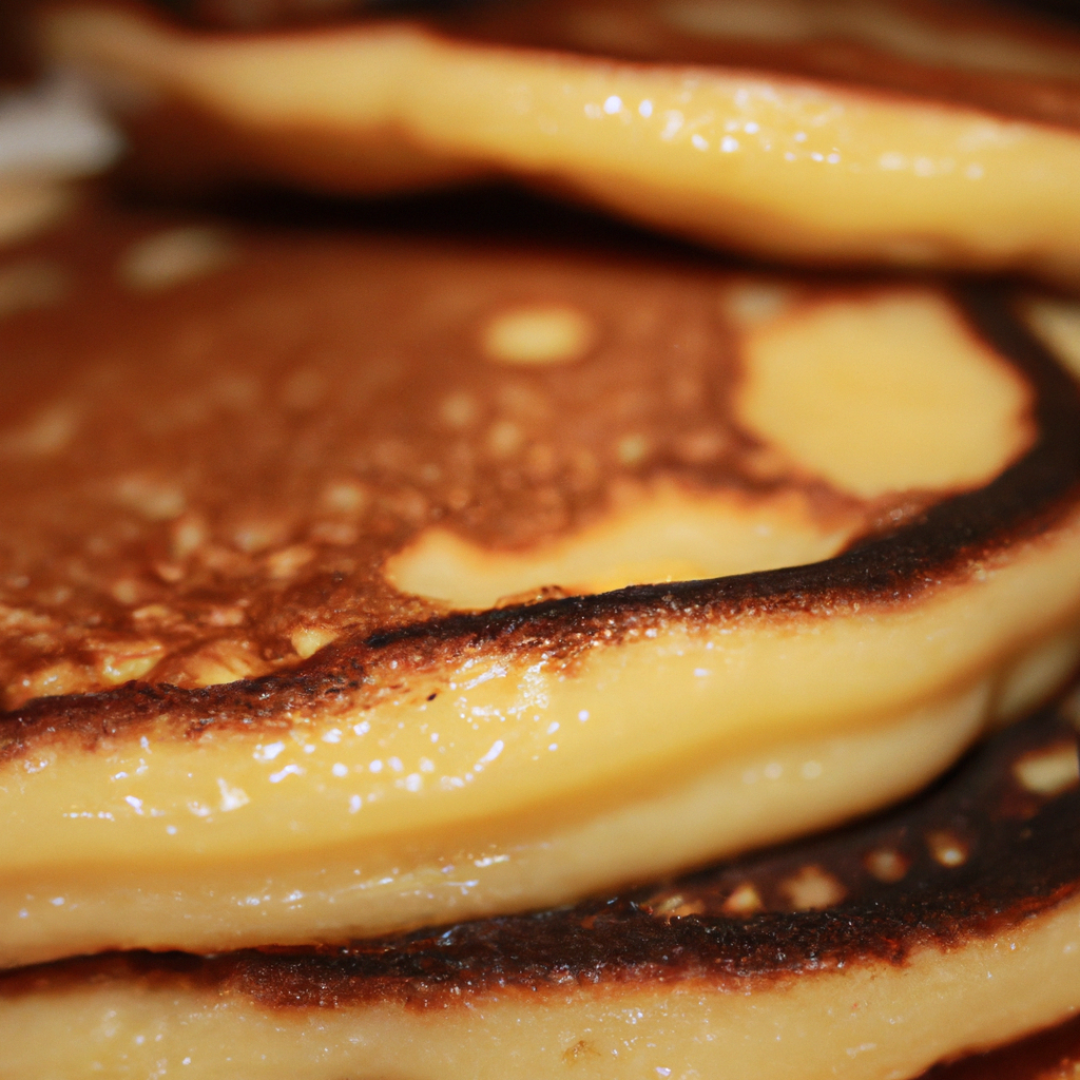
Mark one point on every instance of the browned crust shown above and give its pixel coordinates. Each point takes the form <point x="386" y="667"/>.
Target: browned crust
<point x="16" y="51"/>
<point x="944" y="542"/>
<point x="890" y="567"/>
<point x="1021" y="859"/>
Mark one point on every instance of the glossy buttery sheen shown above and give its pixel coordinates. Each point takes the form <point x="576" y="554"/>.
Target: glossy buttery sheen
<point x="904" y="133"/>
<point x="332" y="731"/>
<point x="946" y="927"/>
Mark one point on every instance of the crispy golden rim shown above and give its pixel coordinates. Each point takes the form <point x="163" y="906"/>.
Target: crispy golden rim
<point x="941" y="928"/>
<point x="895" y="133"/>
<point x="227" y="724"/>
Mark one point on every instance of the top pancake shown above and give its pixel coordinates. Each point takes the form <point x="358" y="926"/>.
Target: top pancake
<point x="335" y="558"/>
<point x="908" y="133"/>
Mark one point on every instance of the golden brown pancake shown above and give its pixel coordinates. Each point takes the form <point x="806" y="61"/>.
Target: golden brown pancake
<point x="943" y="928"/>
<point x="904" y="132"/>
<point x="355" y="582"/>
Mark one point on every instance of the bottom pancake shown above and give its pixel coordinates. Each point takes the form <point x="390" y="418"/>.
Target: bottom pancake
<point x="945" y="927"/>
<point x="1053" y="1054"/>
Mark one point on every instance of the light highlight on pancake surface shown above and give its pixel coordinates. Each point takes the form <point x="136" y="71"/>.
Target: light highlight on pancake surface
<point x="911" y="134"/>
<point x="538" y="335"/>
<point x="227" y="722"/>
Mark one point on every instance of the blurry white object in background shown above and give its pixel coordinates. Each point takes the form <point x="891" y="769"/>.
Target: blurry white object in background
<point x="55" y="128"/>
<point x="50" y="134"/>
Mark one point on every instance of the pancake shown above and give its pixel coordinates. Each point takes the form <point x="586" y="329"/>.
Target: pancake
<point x="354" y="583"/>
<point x="898" y="132"/>
<point x="941" y="928"/>
<point x="1049" y="1055"/>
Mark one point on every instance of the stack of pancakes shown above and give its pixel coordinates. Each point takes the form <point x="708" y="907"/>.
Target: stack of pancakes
<point x="454" y="636"/>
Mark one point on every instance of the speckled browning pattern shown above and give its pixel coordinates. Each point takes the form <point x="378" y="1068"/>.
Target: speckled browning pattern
<point x="971" y="858"/>
<point x="197" y="471"/>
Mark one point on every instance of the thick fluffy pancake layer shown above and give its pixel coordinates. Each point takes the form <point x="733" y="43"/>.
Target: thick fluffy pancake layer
<point x="948" y="926"/>
<point x="242" y="705"/>
<point x="904" y="133"/>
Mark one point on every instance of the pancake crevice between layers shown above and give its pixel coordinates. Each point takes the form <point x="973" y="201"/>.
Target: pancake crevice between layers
<point x="335" y="618"/>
